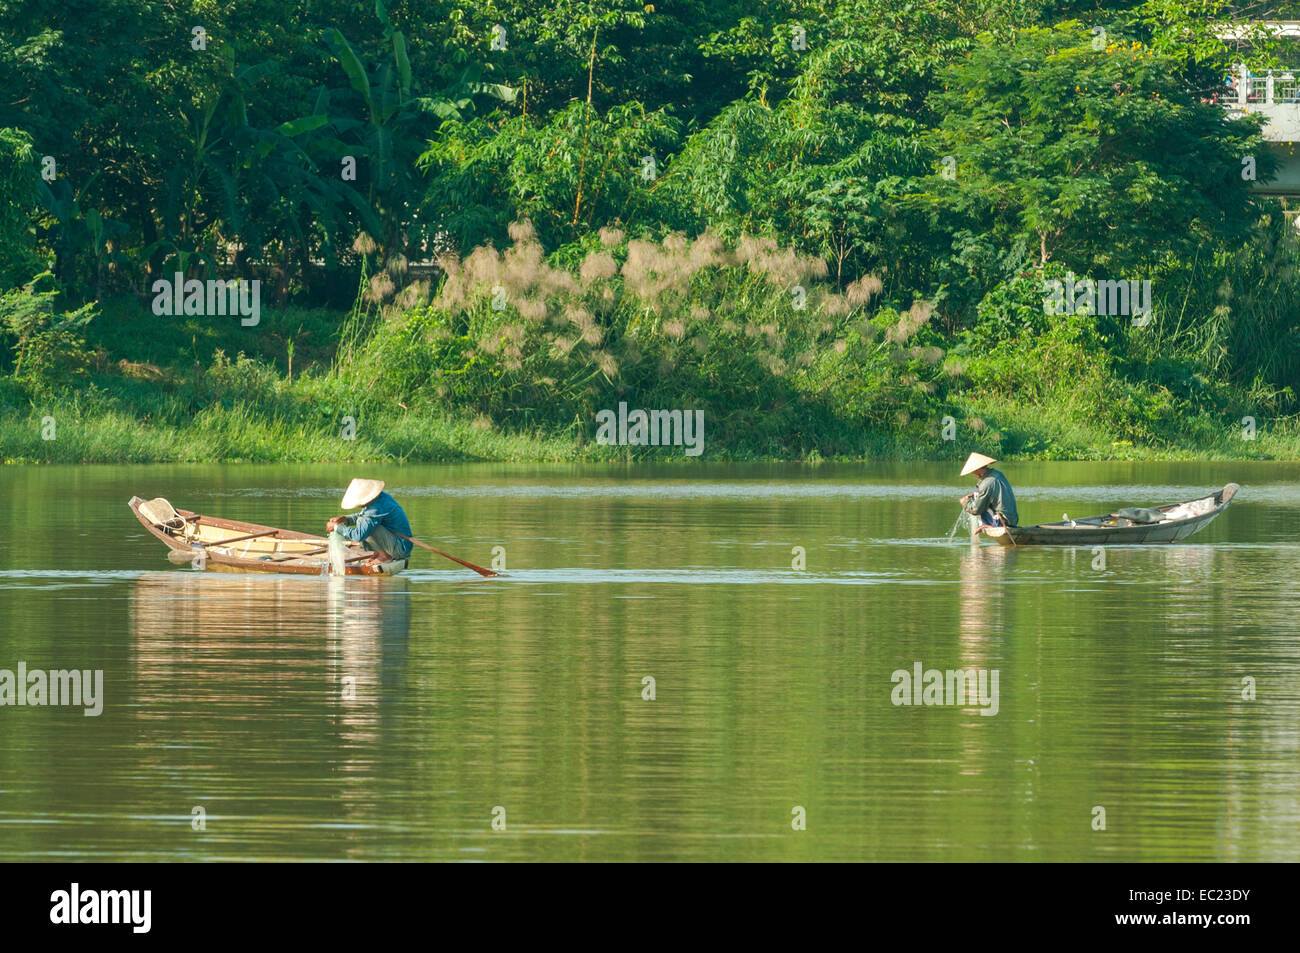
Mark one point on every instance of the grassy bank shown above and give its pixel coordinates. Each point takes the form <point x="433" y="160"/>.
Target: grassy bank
<point x="244" y="434"/>
<point x="249" y="409"/>
<point x="516" y="353"/>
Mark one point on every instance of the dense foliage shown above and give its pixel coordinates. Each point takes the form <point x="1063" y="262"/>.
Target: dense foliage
<point x="829" y="224"/>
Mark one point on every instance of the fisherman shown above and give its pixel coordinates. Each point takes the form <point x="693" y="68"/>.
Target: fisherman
<point x="993" y="502"/>
<point x="381" y="526"/>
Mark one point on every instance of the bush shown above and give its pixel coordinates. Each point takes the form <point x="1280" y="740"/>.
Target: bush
<point x="18" y="260"/>
<point x="46" y="346"/>
<point x="748" y="332"/>
<point x="1013" y="312"/>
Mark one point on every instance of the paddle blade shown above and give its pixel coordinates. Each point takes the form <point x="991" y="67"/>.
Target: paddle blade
<point x="468" y="565"/>
<point x="179" y="557"/>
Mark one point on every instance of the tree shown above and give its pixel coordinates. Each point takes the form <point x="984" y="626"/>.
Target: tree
<point x="398" y="120"/>
<point x="17" y="203"/>
<point x="1096" y="158"/>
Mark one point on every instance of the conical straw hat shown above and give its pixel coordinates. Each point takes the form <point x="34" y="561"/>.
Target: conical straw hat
<point x="973" y="463"/>
<point x="360" y="492"/>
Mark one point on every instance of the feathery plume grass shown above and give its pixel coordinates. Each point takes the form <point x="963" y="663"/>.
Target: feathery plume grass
<point x="517" y="332"/>
<point x="522" y="232"/>
<point x="380" y="287"/>
<point x="597" y="266"/>
<point x="605" y="361"/>
<point x="532" y="308"/>
<point x="860" y="292"/>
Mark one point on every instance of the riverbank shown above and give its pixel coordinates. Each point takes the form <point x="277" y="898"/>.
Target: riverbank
<point x="240" y="433"/>
<point x="847" y="266"/>
<point x="455" y="379"/>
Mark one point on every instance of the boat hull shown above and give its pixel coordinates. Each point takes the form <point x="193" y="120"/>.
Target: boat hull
<point x="201" y="541"/>
<point x="1112" y="529"/>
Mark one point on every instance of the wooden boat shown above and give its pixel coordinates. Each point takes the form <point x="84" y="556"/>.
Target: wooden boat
<point x="1124" y="527"/>
<point x="210" y="542"/>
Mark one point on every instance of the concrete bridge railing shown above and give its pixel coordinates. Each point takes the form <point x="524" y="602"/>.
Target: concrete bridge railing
<point x="1274" y="94"/>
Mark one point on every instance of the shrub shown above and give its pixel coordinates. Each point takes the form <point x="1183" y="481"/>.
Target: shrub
<point x="47" y="346"/>
<point x="737" y="329"/>
<point x="17" y="201"/>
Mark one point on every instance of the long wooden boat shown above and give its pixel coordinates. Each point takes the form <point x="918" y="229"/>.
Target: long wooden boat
<point x="1127" y="526"/>
<point x="226" y="545"/>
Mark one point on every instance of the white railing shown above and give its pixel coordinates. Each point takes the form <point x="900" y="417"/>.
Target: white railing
<point x="1249" y="30"/>
<point x="1270" y="87"/>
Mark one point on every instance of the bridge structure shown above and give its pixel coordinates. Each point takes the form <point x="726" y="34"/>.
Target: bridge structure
<point x="1273" y="94"/>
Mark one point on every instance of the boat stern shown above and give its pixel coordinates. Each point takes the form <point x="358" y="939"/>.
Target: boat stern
<point x="999" y="534"/>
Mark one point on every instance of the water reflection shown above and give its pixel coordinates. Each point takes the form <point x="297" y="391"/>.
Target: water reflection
<point x="368" y="623"/>
<point x="982" y="593"/>
<point x="1192" y="561"/>
<point x="300" y="675"/>
<point x="276" y="636"/>
<point x="982" y="615"/>
<point x="360" y="625"/>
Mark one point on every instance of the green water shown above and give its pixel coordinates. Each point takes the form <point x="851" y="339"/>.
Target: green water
<point x="365" y="719"/>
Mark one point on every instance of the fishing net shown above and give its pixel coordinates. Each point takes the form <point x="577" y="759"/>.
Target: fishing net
<point x="338" y="554"/>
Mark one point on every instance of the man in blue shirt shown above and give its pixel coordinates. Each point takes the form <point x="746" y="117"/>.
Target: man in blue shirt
<point x="377" y="526"/>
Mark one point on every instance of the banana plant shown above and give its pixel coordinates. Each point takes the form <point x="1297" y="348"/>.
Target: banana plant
<point x="75" y="230"/>
<point x="398" y="121"/>
<point x="245" y="182"/>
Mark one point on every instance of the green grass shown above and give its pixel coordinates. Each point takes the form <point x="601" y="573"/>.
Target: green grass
<point x="1055" y="433"/>
<point x="425" y="388"/>
<point x="127" y="329"/>
<point x="243" y="434"/>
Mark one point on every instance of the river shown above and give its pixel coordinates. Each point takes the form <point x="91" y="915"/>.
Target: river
<point x="656" y="678"/>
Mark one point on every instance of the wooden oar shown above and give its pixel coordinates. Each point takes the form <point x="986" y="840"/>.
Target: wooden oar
<point x="468" y="565"/>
